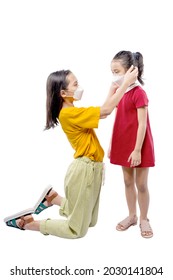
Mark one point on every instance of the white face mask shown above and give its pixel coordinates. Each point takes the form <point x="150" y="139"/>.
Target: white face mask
<point x="78" y="93"/>
<point x="118" y="79"/>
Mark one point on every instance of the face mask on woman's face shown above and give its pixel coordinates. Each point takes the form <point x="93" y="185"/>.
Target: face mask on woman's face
<point x="78" y="93"/>
<point x="118" y="79"/>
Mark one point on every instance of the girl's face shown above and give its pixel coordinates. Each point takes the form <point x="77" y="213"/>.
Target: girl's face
<point x="72" y="84"/>
<point x="73" y="92"/>
<point x="117" y="68"/>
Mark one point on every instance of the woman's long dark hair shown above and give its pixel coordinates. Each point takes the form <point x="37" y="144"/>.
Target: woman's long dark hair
<point x="56" y="82"/>
<point x="128" y="58"/>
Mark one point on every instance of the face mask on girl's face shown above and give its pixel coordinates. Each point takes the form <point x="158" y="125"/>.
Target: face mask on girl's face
<point x="118" y="79"/>
<point x="78" y="93"/>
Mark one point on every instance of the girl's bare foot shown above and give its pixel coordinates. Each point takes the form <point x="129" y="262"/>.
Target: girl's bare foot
<point x="146" y="230"/>
<point x="48" y="198"/>
<point x="126" y="223"/>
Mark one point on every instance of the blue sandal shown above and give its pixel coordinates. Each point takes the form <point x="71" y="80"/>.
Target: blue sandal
<point x="11" y="220"/>
<point x="39" y="206"/>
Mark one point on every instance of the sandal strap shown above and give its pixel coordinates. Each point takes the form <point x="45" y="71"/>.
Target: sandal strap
<point x="128" y="221"/>
<point x="145" y="226"/>
<point x="12" y="223"/>
<point x="40" y="208"/>
<point x="51" y="197"/>
<point x="24" y="222"/>
<point x="48" y="198"/>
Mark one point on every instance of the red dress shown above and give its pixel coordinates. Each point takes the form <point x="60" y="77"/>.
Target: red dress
<point x="125" y="130"/>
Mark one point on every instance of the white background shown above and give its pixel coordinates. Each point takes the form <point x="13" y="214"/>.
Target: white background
<point x="37" y="38"/>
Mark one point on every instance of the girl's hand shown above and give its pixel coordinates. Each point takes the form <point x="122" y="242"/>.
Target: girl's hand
<point x="135" y="158"/>
<point x="131" y="75"/>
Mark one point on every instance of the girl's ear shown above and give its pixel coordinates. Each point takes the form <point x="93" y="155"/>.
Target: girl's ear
<point x="62" y="93"/>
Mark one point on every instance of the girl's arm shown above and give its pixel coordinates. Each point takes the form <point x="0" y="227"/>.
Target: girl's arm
<point x="113" y="99"/>
<point x="135" y="156"/>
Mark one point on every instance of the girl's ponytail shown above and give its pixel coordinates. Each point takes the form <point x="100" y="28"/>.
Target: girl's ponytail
<point x="138" y="61"/>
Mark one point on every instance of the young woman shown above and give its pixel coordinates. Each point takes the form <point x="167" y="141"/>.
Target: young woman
<point x="84" y="176"/>
<point x="132" y="143"/>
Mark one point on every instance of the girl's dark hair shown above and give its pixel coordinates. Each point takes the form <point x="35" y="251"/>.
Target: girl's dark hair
<point x="128" y="58"/>
<point x="56" y="81"/>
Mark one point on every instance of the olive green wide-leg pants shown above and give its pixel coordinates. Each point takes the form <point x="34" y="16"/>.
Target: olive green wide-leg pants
<point x="82" y="184"/>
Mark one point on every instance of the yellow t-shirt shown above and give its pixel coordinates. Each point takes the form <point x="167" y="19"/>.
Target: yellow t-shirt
<point x="78" y="125"/>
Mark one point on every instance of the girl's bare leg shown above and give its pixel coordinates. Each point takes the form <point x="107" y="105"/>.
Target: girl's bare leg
<point x="143" y="200"/>
<point x="130" y="190"/>
<point x="143" y="193"/>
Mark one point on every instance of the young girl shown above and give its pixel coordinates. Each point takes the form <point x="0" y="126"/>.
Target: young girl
<point x="84" y="176"/>
<point x="132" y="142"/>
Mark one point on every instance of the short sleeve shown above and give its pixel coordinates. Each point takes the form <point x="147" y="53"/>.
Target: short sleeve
<point x="81" y="117"/>
<point x="140" y="98"/>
